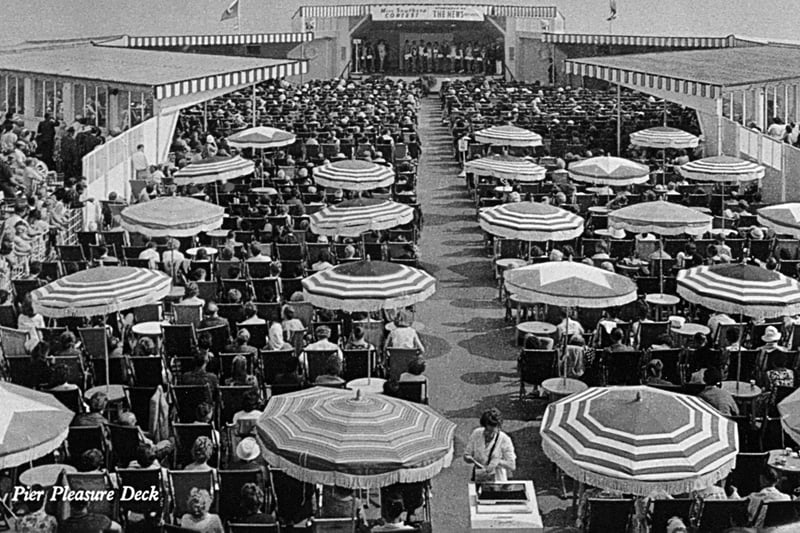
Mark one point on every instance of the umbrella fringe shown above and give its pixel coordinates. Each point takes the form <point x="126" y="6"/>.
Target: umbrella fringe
<point x="569" y="301"/>
<point x="633" y="486"/>
<point x="658" y="229"/>
<point x="618" y="182"/>
<point x="752" y="311"/>
<point x="367" y="304"/>
<point x="354" y="481"/>
<point x="535" y="236"/>
<point x="27" y="455"/>
<point x="112" y="307"/>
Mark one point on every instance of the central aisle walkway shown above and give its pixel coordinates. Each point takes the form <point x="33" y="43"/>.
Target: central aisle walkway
<point x="470" y="351"/>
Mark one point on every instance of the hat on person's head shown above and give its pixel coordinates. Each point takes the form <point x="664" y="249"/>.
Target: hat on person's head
<point x="771" y="334"/>
<point x="515" y="197"/>
<point x="339" y="156"/>
<point x="660" y="188"/>
<point x="756" y="233"/>
<point x="322" y="331"/>
<point x="210" y="139"/>
<point x="248" y="449"/>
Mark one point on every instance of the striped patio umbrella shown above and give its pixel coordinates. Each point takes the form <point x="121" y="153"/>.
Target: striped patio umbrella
<point x="661" y="218"/>
<point x="638" y="439"/>
<point x="569" y="284"/>
<point x="722" y="169"/>
<point x="783" y="218"/>
<point x="789" y="408"/>
<point x="216" y="168"/>
<point x="609" y="170"/>
<point x="529" y="221"/>
<point x="172" y="216"/>
<point x="32" y="424"/>
<point x="100" y="291"/>
<point x="664" y="137"/>
<point x="353" y="175"/>
<point x="337" y="437"/>
<point x="507" y="167"/>
<point x="368" y="286"/>
<point x="262" y="137"/>
<point x="740" y="289"/>
<point x="508" y="136"/>
<point x="351" y="218"/>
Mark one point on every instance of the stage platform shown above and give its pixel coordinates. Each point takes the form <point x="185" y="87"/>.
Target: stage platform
<point x="408" y="78"/>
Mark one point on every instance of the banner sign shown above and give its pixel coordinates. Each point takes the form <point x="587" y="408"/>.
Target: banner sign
<point x="428" y="12"/>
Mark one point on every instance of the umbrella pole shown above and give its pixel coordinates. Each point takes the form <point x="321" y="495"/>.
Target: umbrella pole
<point x="661" y="264"/>
<point x="739" y="359"/>
<point x="564" y="348"/>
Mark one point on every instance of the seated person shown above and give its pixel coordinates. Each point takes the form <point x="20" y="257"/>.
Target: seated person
<point x="198" y="518"/>
<point x="338" y="502"/>
<point x="250" y="410"/>
<point x="190" y="295"/>
<point x="663" y="342"/>
<point x="161" y="449"/>
<point x="242" y="343"/>
<point x="332" y="373"/>
<point x="414" y="373"/>
<point x="251" y="506"/>
<point x="82" y="521"/>
<point x="251" y="315"/>
<point x="713" y="394"/>
<point x="291" y="374"/>
<point x="534" y="342"/>
<point x="239" y="375"/>
<point x="653" y="370"/>
<point x="395" y="518"/>
<point x="202" y="451"/>
<point x="572" y="358"/>
<point x="769" y="493"/>
<point x="779" y="375"/>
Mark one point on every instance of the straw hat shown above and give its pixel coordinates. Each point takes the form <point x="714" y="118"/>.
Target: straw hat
<point x="248" y="449"/>
<point x="771" y="334"/>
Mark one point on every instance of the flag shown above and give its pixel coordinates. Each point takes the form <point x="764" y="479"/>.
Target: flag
<point x="612" y="6"/>
<point x="231" y="12"/>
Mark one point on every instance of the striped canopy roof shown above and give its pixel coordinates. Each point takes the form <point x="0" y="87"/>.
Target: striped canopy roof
<point x="336" y="437"/>
<point x="743" y="289"/>
<point x="506" y="167"/>
<point x="722" y="169"/>
<point x="262" y="137"/>
<point x="569" y="284"/>
<point x="508" y="136"/>
<point x="100" y="291"/>
<point x="172" y="216"/>
<point x="609" y="170"/>
<point x="529" y="221"/>
<point x="351" y="218"/>
<point x="638" y="439"/>
<point x="664" y="137"/>
<point x="32" y="424"/>
<point x="216" y="168"/>
<point x="661" y="218"/>
<point x="368" y="286"/>
<point x="353" y="175"/>
<point x="783" y="218"/>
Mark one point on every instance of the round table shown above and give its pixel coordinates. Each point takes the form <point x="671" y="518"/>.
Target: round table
<point x="419" y="326"/>
<point x="599" y="210"/>
<point x="502" y="189"/>
<point x="539" y="329"/>
<point x="115" y="393"/>
<point x="193" y="251"/>
<point x="44" y="475"/>
<point x="689" y="330"/>
<point x="789" y="464"/>
<point x="741" y="390"/>
<point x="264" y="190"/>
<point x="562" y="387"/>
<point x="660" y="301"/>
<point x="218" y="233"/>
<point x="371" y="385"/>
<point x="148" y="329"/>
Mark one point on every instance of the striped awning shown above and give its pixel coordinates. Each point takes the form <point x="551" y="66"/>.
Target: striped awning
<point x="642" y="80"/>
<point x="32" y="424"/>
<point x="529" y="221"/>
<point x="353" y="440"/>
<point x="362" y="10"/>
<point x="100" y="291"/>
<point x="740" y="289"/>
<point x="508" y="136"/>
<point x="569" y="284"/>
<point x="661" y="218"/>
<point x="507" y="167"/>
<point x="213" y="169"/>
<point x="609" y="170"/>
<point x="353" y="175"/>
<point x="261" y="137"/>
<point x="722" y="169"/>
<point x="638" y="439"/>
<point x="664" y="137"/>
<point x="649" y="41"/>
<point x="351" y="218"/>
<point x="162" y="41"/>
<point x="783" y="218"/>
<point x="368" y="286"/>
<point x="172" y="216"/>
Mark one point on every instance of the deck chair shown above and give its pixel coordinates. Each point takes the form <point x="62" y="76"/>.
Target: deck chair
<point x="749" y="466"/>
<point x="142" y="480"/>
<point x="241" y="285"/>
<point x="148" y="313"/>
<point x="273" y="362"/>
<point x="258" y="334"/>
<point x="748" y="362"/>
<point x="188" y="397"/>
<point x="535" y="366"/>
<point x="226" y="362"/>
<point x="622" y="368"/>
<point x="76" y="373"/>
<point x="269" y="311"/>
<point x="649" y="332"/>
<point x="119" y="372"/>
<point x="398" y="359"/>
<point x="315" y="363"/>
<point x="139" y="399"/>
<point x="178" y="339"/>
<point x="253" y="528"/>
<point x="220" y="337"/>
<point x="181" y="482"/>
<point x="332" y="525"/>
<point x="780" y="513"/>
<point x="607" y="515"/>
<point x="717" y="516"/>
<point x="19" y="370"/>
<point x="22" y="287"/>
<point x="8" y="316"/>
<point x="83" y="438"/>
<point x="413" y="391"/>
<point x="96" y="482"/>
<point x="124" y="443"/>
<point x="662" y="510"/>
<point x="293" y="497"/>
<point x="185" y="435"/>
<point x="230" y="488"/>
<point x="147" y="371"/>
<point x="94" y="342"/>
<point x="13" y="342"/>
<point x="230" y="402"/>
<point x="71" y="399"/>
<point x="266" y="289"/>
<point x="233" y="312"/>
<point x="188" y="314"/>
<point x="671" y="359"/>
<point x="303" y="311"/>
<point x="357" y="364"/>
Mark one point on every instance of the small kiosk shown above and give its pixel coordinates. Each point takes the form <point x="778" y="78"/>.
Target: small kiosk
<point x="508" y="506"/>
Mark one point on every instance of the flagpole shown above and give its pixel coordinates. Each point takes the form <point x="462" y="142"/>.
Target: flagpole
<point x="239" y="17"/>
